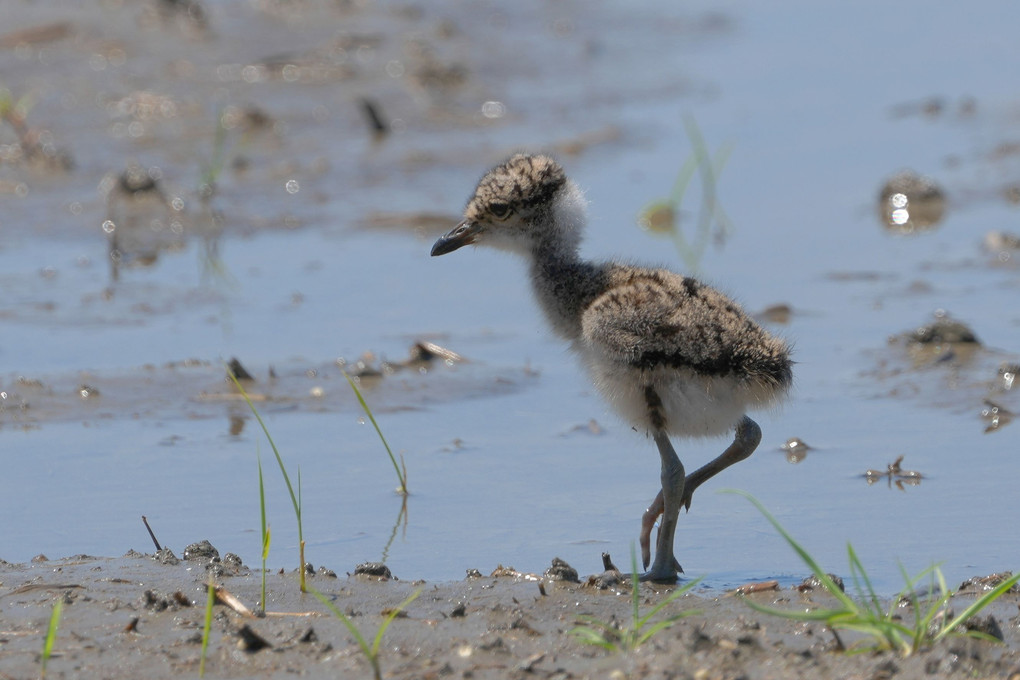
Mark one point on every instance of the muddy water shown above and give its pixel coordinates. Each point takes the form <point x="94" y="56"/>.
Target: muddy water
<point x="312" y="247"/>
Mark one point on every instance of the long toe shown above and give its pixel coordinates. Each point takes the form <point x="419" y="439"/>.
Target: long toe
<point x="647" y="523"/>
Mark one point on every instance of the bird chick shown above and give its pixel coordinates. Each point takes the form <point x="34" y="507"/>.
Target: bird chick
<point x="672" y="356"/>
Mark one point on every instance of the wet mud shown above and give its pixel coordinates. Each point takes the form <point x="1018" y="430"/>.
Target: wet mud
<point x="120" y="614"/>
<point x="200" y="389"/>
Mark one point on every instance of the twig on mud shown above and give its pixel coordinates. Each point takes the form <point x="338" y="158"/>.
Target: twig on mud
<point x="225" y="597"/>
<point x="151" y="535"/>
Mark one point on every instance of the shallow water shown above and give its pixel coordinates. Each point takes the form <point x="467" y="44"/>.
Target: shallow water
<point x="820" y="106"/>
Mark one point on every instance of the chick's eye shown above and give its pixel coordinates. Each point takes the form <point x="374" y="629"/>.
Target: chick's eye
<point x="500" y="211"/>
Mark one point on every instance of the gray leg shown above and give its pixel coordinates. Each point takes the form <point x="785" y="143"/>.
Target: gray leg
<point x="665" y="567"/>
<point x="745" y="441"/>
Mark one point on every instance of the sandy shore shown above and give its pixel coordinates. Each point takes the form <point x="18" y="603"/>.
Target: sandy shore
<point x="133" y="613"/>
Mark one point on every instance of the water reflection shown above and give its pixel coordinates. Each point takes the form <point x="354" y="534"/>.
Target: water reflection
<point x="1007" y="375"/>
<point x="995" y="415"/>
<point x="140" y="220"/>
<point x="33" y="147"/>
<point x="796" y="450"/>
<point x="911" y="203"/>
<point x="663" y="216"/>
<point x="894" y="475"/>
<point x="400" y="521"/>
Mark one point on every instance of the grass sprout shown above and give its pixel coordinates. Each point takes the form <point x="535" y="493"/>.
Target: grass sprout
<point x="371" y="651"/>
<point x="207" y="626"/>
<point x="883" y="626"/>
<point x="295" y="498"/>
<point x="616" y="638"/>
<point x="265" y="533"/>
<point x="401" y="475"/>
<point x="51" y="634"/>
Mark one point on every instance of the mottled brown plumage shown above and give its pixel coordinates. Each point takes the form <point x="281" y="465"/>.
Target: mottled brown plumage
<point x="672" y="355"/>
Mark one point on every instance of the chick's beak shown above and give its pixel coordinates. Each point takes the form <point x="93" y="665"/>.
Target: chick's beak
<point x="463" y="234"/>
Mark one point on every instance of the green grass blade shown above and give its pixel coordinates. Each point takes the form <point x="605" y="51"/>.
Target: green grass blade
<point x="594" y="623"/>
<point x="683" y="179"/>
<point x="295" y="499"/>
<point x="51" y="634"/>
<point x="264" y="528"/>
<point x="276" y="452"/>
<point x="935" y="605"/>
<point x="401" y="477"/>
<point x="394" y="612"/>
<point x="635" y="589"/>
<point x="924" y="612"/>
<point x="371" y="652"/>
<point x="818" y="572"/>
<point x="206" y="627"/>
<point x="676" y="594"/>
<point x="262" y="510"/>
<point x="614" y="638"/>
<point x="809" y="615"/>
<point x="978" y="605"/>
<point x="597" y="637"/>
<point x="301" y="540"/>
<point x="886" y="635"/>
<point x="884" y="626"/>
<point x="362" y="643"/>
<point x="651" y="630"/>
<point x="921" y="619"/>
<point x="867" y="593"/>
